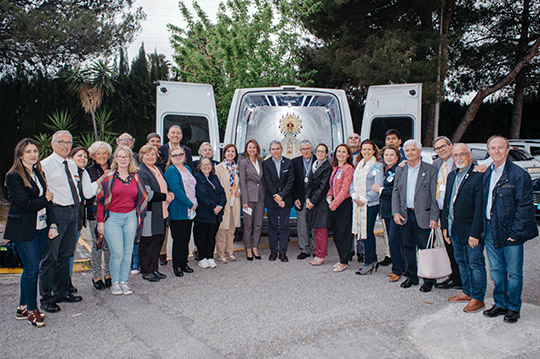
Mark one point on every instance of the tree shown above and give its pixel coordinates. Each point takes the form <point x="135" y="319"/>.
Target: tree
<point x="47" y="35"/>
<point x="91" y="85"/>
<point x="250" y="45"/>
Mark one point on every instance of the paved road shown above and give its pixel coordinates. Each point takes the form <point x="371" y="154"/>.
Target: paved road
<point x="272" y="309"/>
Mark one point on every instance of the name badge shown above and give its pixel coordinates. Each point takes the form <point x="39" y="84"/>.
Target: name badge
<point x="442" y="188"/>
<point x="339" y="175"/>
<point x="42" y="217"/>
<point x="390" y="179"/>
<point x="306" y="179"/>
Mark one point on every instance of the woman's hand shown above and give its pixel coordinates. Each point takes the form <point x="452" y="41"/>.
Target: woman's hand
<point x="245" y="205"/>
<point x="101" y="229"/>
<point x="194" y="206"/>
<point x="237" y="193"/>
<point x="358" y="202"/>
<point x="375" y="187"/>
<point x="49" y="196"/>
<point x="170" y="197"/>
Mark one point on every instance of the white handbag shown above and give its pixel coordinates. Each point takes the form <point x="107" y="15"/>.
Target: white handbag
<point x="433" y="262"/>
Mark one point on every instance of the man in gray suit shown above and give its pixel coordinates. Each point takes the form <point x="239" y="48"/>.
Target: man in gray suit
<point x="414" y="205"/>
<point x="444" y="165"/>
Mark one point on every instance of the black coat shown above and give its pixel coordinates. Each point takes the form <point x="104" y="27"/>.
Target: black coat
<point x="164" y="154"/>
<point x="95" y="172"/>
<point x="468" y="205"/>
<point x="300" y="186"/>
<point x="319" y="184"/>
<point x="155" y="203"/>
<point x="209" y="196"/>
<point x="274" y="185"/>
<point x="24" y="204"/>
<point x="386" y="194"/>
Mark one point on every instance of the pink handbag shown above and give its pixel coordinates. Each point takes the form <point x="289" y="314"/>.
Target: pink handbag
<point x="433" y="262"/>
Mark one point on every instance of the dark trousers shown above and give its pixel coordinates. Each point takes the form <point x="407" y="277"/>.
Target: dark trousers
<point x="455" y="276"/>
<point x="413" y="237"/>
<point x="205" y="238"/>
<point x="30" y="253"/>
<point x="278" y="215"/>
<point x="371" y="247"/>
<point x="341" y="227"/>
<point x="54" y="266"/>
<point x="394" y="242"/>
<point x="149" y="248"/>
<point x="181" y="233"/>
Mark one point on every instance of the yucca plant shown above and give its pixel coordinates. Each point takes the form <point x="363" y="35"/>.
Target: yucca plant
<point x="60" y="120"/>
<point x="43" y="142"/>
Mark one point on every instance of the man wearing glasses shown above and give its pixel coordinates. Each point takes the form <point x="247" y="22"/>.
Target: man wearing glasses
<point x="127" y="140"/>
<point x="62" y="179"/>
<point x="445" y="164"/>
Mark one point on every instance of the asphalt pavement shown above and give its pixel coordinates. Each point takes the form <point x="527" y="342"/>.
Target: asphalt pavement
<point x="263" y="309"/>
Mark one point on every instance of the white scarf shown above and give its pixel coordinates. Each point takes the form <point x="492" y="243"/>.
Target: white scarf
<point x="359" y="224"/>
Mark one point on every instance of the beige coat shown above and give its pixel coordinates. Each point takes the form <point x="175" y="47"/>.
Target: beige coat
<point x="223" y="175"/>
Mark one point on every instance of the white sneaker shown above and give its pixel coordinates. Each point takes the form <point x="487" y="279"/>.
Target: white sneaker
<point x="116" y="289"/>
<point x="126" y="289"/>
<point x="212" y="263"/>
<point x="135" y="271"/>
<point x="203" y="263"/>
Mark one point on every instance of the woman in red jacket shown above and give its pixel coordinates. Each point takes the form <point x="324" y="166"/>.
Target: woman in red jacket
<point x="340" y="204"/>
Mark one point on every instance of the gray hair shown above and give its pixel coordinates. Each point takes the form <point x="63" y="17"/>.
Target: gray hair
<point x="99" y="145"/>
<point x="461" y="144"/>
<point x="306" y="142"/>
<point x="203" y="145"/>
<point x="275" y="142"/>
<point x="413" y="142"/>
<point x="174" y="126"/>
<point x="61" y="132"/>
<point x="446" y="139"/>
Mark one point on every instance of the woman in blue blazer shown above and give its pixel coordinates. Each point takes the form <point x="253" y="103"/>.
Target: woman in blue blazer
<point x="182" y="209"/>
<point x="211" y="198"/>
<point x="30" y="223"/>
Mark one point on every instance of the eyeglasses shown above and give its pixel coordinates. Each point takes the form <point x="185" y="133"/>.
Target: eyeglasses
<point x="64" y="143"/>
<point x="440" y="147"/>
<point x="206" y="164"/>
<point x="320" y="151"/>
<point x="305" y="149"/>
<point x="125" y="140"/>
<point x="176" y="155"/>
<point x="461" y="154"/>
<point x="354" y="137"/>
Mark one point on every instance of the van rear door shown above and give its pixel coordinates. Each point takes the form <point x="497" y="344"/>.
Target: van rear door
<point x="192" y="107"/>
<point x="393" y="106"/>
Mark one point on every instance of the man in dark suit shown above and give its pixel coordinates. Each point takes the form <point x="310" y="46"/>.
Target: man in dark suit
<point x="461" y="223"/>
<point x="279" y="180"/>
<point x="175" y="136"/>
<point x="444" y="165"/>
<point x="302" y="170"/>
<point x="414" y="206"/>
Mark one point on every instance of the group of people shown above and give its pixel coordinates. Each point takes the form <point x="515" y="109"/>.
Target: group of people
<point x="129" y="201"/>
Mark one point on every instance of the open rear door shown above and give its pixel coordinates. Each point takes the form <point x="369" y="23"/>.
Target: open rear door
<point x="393" y="106"/>
<point x="193" y="108"/>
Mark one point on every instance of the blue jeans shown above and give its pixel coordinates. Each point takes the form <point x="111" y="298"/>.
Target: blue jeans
<point x="135" y="256"/>
<point x="394" y="242"/>
<point x="371" y="249"/>
<point x="506" y="270"/>
<point x="30" y="253"/>
<point x="472" y="268"/>
<point x="120" y="230"/>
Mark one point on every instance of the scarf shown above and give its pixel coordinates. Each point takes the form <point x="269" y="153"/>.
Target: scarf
<point x="317" y="164"/>
<point x="359" y="225"/>
<point x="233" y="171"/>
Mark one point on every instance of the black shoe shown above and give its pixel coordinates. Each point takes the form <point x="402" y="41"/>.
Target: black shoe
<point x="160" y="275"/>
<point x="108" y="282"/>
<point x="249" y="258"/>
<point x="426" y="287"/>
<point x="351" y="256"/>
<point x="163" y="259"/>
<point x="99" y="285"/>
<point x="70" y="298"/>
<point x="257" y="257"/>
<point x="178" y="272"/>
<point x="283" y="257"/>
<point x="385" y="262"/>
<point x="447" y="284"/>
<point x="50" y="307"/>
<point x="186" y="269"/>
<point x="361" y="257"/>
<point x="71" y="288"/>
<point x="302" y="256"/>
<point x="151" y="277"/>
<point x="272" y="256"/>
<point x="511" y="316"/>
<point x="407" y="283"/>
<point x="495" y="311"/>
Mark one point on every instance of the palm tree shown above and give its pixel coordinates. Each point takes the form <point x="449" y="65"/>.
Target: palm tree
<point x="90" y="85"/>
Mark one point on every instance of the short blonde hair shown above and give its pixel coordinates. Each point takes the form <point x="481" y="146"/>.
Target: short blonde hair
<point x="145" y="149"/>
<point x="174" y="148"/>
<point x="97" y="146"/>
<point x="132" y="167"/>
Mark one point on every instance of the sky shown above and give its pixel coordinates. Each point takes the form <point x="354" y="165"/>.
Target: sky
<point x="159" y="13"/>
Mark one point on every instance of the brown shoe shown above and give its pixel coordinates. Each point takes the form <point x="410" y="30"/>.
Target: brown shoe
<point x="35" y="318"/>
<point x="461" y="297"/>
<point x="394" y="277"/>
<point x="474" y="306"/>
<point x="389" y="274"/>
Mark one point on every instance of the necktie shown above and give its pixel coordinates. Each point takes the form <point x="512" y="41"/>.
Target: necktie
<point x="72" y="187"/>
<point x="441" y="180"/>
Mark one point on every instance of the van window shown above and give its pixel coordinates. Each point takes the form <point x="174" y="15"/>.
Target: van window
<point x="194" y="130"/>
<point x="535" y="151"/>
<point x="379" y="126"/>
<point x="289" y="117"/>
<point x="519" y="155"/>
<point x="478" y="154"/>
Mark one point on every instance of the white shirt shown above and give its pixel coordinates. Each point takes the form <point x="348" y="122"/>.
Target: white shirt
<point x="57" y="181"/>
<point x="442" y="190"/>
<point x="496" y="174"/>
<point x="256" y="164"/>
<point x="412" y="177"/>
<point x="41" y="220"/>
